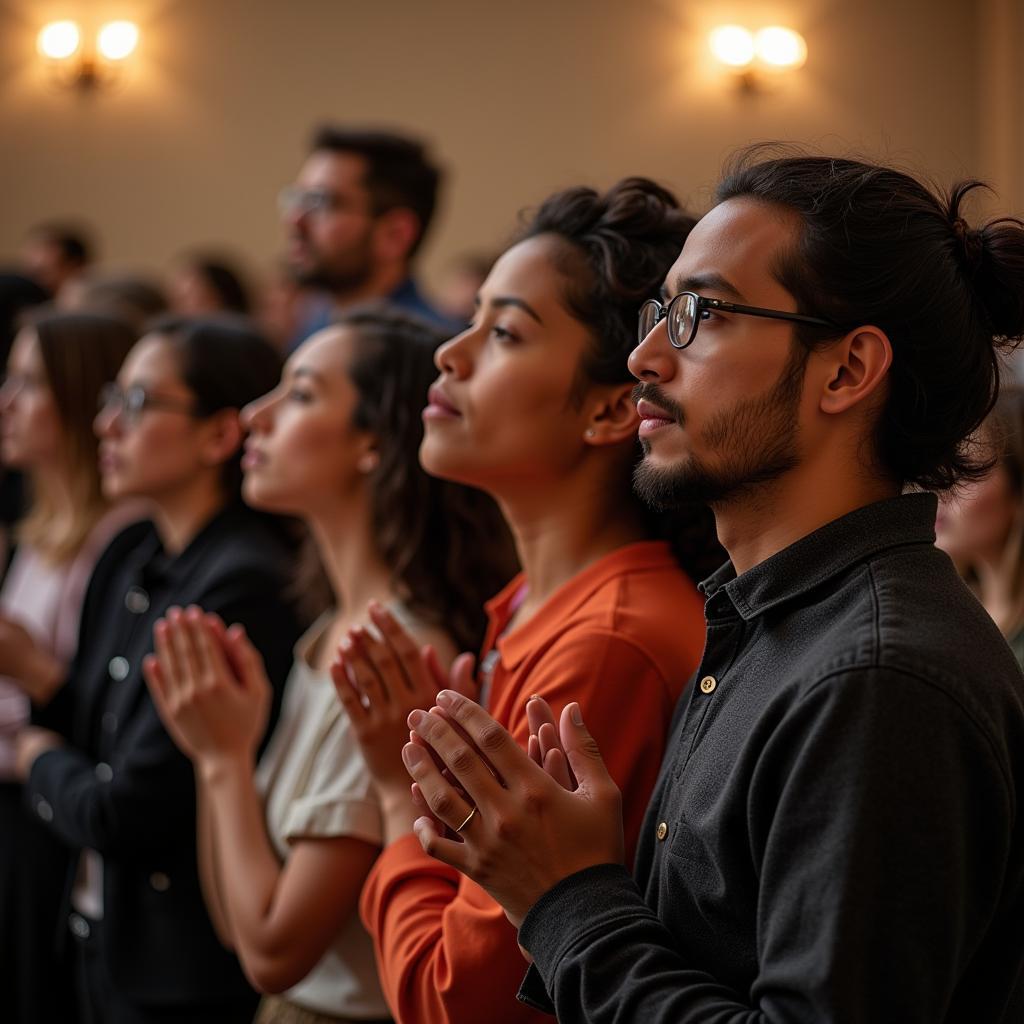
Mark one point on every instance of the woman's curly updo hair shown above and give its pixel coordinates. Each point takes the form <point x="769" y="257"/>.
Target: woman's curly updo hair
<point x="877" y="247"/>
<point x="617" y="248"/>
<point x="614" y="250"/>
<point x="446" y="545"/>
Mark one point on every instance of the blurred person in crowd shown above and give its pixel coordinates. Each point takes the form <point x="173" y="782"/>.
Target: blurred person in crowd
<point x="285" y="852"/>
<point x="205" y="283"/>
<point x="281" y="304"/>
<point x="57" y="366"/>
<point x="56" y="254"/>
<point x="836" y="834"/>
<point x="456" y="297"/>
<point x="131" y="297"/>
<point x="981" y="527"/>
<point x="355" y="219"/>
<point x="101" y="773"/>
<point x="17" y="294"/>
<point x="533" y="405"/>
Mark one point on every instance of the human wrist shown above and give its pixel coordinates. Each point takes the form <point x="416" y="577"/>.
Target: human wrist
<point x="221" y="767"/>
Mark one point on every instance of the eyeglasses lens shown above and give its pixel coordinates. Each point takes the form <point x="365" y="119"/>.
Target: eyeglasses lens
<point x="649" y="313"/>
<point x="680" y="319"/>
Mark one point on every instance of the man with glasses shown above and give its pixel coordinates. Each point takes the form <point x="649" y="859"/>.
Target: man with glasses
<point x="355" y="218"/>
<point x="838" y="830"/>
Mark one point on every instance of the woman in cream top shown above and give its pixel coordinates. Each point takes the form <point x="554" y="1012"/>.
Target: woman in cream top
<point x="284" y="850"/>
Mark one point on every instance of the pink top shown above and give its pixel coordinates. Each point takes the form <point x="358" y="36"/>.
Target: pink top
<point x="47" y="600"/>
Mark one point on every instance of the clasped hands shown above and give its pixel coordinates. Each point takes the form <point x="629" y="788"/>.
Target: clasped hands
<point x="534" y="817"/>
<point x="209" y="685"/>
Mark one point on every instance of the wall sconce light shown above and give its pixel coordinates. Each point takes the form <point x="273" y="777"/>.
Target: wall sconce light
<point x="60" y="43"/>
<point x="751" y="54"/>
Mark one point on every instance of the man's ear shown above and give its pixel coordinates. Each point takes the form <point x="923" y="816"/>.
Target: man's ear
<point x="613" y="416"/>
<point x="223" y="436"/>
<point x="857" y="367"/>
<point x="395" y="233"/>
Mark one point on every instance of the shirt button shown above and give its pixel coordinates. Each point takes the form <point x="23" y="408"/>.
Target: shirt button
<point x="109" y="721"/>
<point x="103" y="772"/>
<point x="43" y="809"/>
<point x="136" y="600"/>
<point x="708" y="684"/>
<point x="661" y="831"/>
<point x="159" y="881"/>
<point x="118" y="668"/>
<point x="79" y="926"/>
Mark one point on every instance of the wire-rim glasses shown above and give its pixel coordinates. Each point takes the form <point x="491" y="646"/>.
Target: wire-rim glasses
<point x="682" y="316"/>
<point x="132" y="401"/>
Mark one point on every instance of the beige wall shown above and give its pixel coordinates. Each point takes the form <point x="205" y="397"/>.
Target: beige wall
<point x="518" y="99"/>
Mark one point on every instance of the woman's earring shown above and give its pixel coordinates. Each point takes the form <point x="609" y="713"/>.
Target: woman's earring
<point x="368" y="462"/>
<point x="591" y="432"/>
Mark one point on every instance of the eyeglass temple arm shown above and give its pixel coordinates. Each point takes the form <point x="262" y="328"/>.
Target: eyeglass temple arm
<point x="771" y="314"/>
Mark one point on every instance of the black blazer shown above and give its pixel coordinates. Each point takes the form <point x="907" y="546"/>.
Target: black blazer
<point x="121" y="787"/>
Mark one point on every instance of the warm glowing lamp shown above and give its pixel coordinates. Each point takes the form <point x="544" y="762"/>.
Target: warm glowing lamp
<point x="733" y="45"/>
<point x="781" y="48"/>
<point x="117" y="40"/>
<point x="58" y="40"/>
<point x="59" y="43"/>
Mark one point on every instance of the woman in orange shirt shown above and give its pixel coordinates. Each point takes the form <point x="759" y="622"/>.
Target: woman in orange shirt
<point x="534" y="405"/>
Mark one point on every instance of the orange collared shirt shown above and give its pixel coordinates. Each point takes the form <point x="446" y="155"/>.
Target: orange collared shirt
<point x="622" y="638"/>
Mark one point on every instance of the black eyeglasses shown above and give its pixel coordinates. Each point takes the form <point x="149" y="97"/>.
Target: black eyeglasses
<point x="683" y="316"/>
<point x="134" y="401"/>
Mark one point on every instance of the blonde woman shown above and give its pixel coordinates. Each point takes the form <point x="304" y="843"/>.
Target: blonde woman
<point x="56" y="368"/>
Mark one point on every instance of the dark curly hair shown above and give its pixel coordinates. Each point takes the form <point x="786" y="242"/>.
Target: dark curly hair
<point x="446" y="545"/>
<point x="878" y="247"/>
<point x="616" y="249"/>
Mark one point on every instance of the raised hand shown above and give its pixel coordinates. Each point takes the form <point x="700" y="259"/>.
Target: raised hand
<point x="380" y="679"/>
<point x="520" y="830"/>
<point x="209" y="686"/>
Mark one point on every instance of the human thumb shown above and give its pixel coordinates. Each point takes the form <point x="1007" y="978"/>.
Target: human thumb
<point x="581" y="750"/>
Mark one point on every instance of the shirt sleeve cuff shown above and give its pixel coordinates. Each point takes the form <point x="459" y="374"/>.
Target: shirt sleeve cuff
<point x="569" y="911"/>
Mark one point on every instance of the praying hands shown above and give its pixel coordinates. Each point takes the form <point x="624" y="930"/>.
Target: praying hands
<point x="520" y="830"/>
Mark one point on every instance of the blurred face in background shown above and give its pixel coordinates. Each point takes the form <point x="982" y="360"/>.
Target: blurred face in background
<point x="304" y="455"/>
<point x="974" y="525"/>
<point x="30" y="425"/>
<point x="329" y="220"/>
<point x="503" y="409"/>
<point x="159" y="450"/>
<point x="191" y="294"/>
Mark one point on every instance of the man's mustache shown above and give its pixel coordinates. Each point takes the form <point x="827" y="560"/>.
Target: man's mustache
<point x="652" y="393"/>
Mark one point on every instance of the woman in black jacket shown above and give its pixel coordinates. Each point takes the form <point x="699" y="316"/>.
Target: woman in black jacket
<point x="100" y="770"/>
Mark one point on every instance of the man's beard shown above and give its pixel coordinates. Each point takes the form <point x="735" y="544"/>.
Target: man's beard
<point x="756" y="440"/>
<point x="347" y="274"/>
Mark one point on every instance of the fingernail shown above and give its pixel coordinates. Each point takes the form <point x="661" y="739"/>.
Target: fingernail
<point x="346" y="644"/>
<point x="445" y="698"/>
<point x="411" y="755"/>
<point x="574" y="714"/>
<point x="415" y="718"/>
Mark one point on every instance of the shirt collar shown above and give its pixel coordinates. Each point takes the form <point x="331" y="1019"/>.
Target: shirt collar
<point x="550" y="620"/>
<point x="156" y="566"/>
<point x="828" y="551"/>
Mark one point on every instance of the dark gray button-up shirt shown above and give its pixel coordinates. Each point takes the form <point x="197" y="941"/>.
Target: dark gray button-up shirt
<point x="837" y="832"/>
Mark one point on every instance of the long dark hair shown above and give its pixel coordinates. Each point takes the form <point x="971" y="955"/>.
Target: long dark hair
<point x="878" y="247"/>
<point x="446" y="545"/>
<point x="617" y="248"/>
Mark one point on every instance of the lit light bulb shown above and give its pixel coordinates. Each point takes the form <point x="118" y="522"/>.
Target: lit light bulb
<point x="58" y="40"/>
<point x="117" y="40"/>
<point x="781" y="47"/>
<point x="732" y="45"/>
